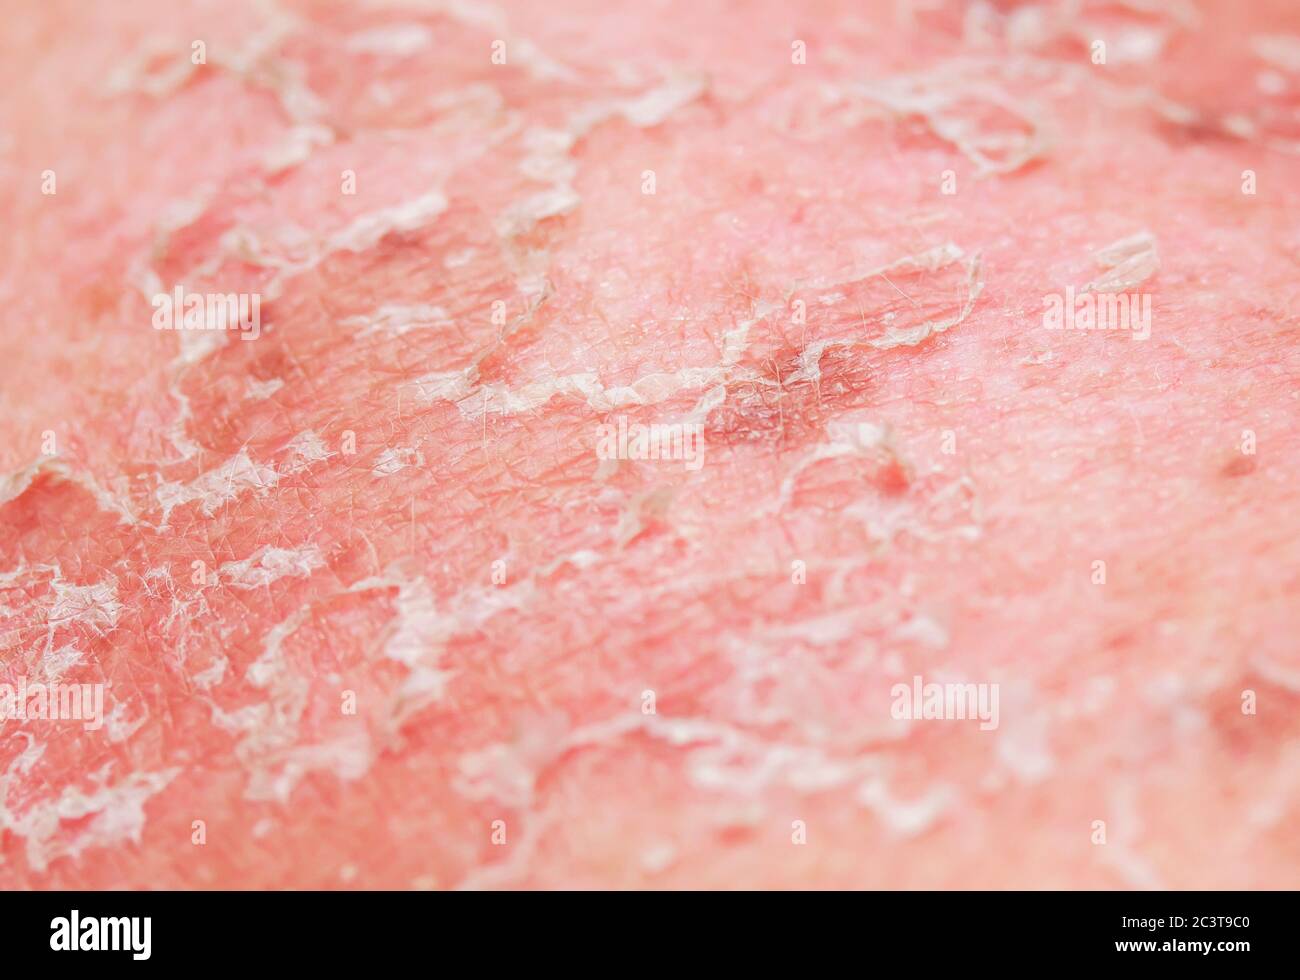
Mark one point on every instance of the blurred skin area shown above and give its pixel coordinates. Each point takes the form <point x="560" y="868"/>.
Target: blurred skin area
<point x="368" y="605"/>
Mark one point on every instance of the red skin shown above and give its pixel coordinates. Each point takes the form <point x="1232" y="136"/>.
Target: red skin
<point x="1119" y="702"/>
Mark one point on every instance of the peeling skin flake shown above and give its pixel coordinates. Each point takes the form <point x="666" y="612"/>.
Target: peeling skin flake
<point x="261" y="390"/>
<point x="1282" y="51"/>
<point x="844" y="440"/>
<point x="392" y="461"/>
<point x="914" y="336"/>
<point x="656" y="105"/>
<point x="1134" y="41"/>
<point x="931" y="260"/>
<point x="906" y="818"/>
<point x="195" y="345"/>
<point x="475" y="401"/>
<point x="304" y="449"/>
<point x="393" y="320"/>
<point x="1127" y="263"/>
<point x="55" y="663"/>
<point x="271" y="749"/>
<point x="348" y="757"/>
<point x="939" y="98"/>
<point x="420" y="630"/>
<point x="367" y="230"/>
<point x="419" y="574"/>
<point x="720" y="758"/>
<point x="255" y="62"/>
<point x="93" y="605"/>
<point x="524" y="215"/>
<point x="270" y="665"/>
<point x="213" y="675"/>
<point x="119" y="727"/>
<point x="401" y="40"/>
<point x="415" y="638"/>
<point x="112" y="814"/>
<point x="216" y="487"/>
<point x="13" y="485"/>
<point x="296" y="146"/>
<point x="268" y="564"/>
<point x="549" y="161"/>
<point x="446" y="385"/>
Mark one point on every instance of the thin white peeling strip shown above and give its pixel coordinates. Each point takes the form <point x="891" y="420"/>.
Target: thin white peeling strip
<point x="548" y="149"/>
<point x="913" y="336"/>
<point x="195" y="345"/>
<point x="843" y="439"/>
<point x="930" y="260"/>
<point x="401" y="40"/>
<point x="1279" y="50"/>
<point x="474" y="400"/>
<point x="256" y="391"/>
<point x="267" y="564"/>
<point x="656" y="105"/>
<point x="367" y="230"/>
<point x="256" y="61"/>
<point x="269" y="747"/>
<point x="1127" y="263"/>
<point x="524" y="215"/>
<point x="649" y="390"/>
<point x="119" y="727"/>
<point x="153" y="68"/>
<point x="446" y="385"/>
<point x="296" y="146"/>
<point x="415" y="637"/>
<point x="213" y="675"/>
<point x="393" y="320"/>
<point x="906" y="818"/>
<point x="348" y="757"/>
<point x="55" y="663"/>
<point x="271" y="666"/>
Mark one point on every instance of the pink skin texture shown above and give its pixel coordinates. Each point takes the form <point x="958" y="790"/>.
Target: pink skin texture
<point x="691" y="445"/>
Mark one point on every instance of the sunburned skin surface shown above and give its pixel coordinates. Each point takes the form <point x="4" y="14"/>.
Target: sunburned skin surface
<point x="375" y="600"/>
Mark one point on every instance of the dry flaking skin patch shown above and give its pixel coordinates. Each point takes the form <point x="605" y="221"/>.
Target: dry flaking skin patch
<point x="837" y="422"/>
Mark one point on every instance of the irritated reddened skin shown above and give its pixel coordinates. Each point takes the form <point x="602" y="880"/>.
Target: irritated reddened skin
<point x="964" y="590"/>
